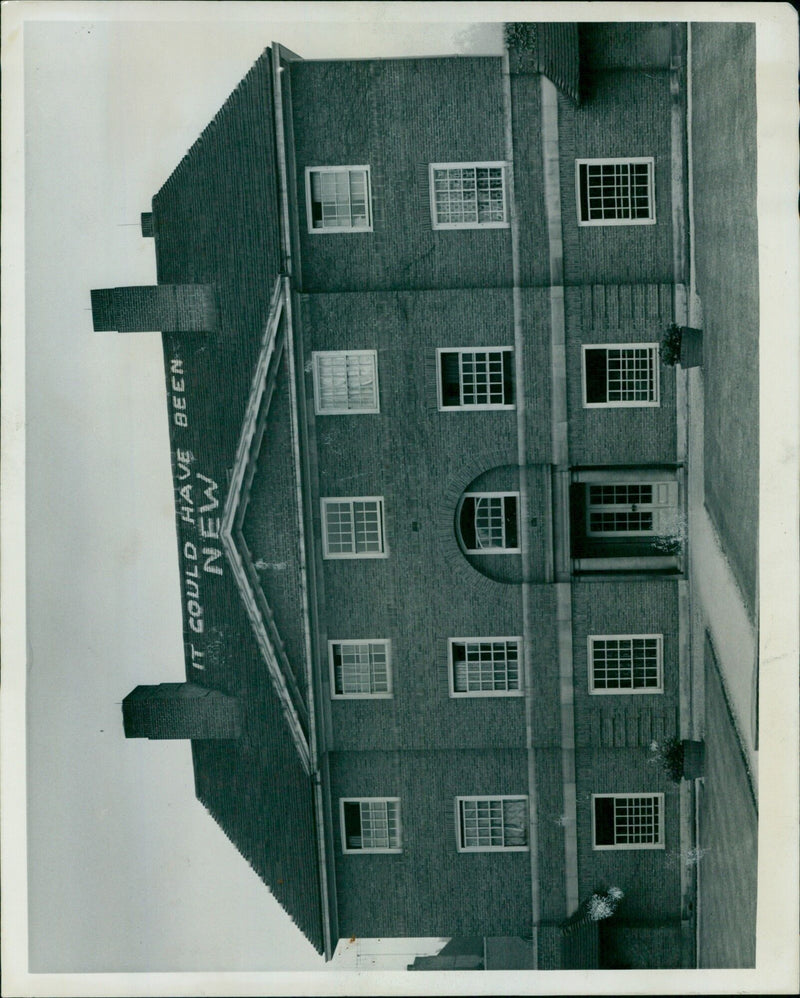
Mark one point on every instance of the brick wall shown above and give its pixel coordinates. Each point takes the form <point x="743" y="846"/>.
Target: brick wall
<point x="180" y="710"/>
<point x="629" y="607"/>
<point x="430" y="889"/>
<point x="399" y="116"/>
<point x="420" y="460"/>
<point x="619" y="314"/>
<point x="612" y="742"/>
<point x="628" y="114"/>
<point x="650" y="878"/>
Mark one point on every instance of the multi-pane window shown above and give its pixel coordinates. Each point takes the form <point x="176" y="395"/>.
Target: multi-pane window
<point x="468" y="195"/>
<point x="484" y="666"/>
<point x="353" y="528"/>
<point x="338" y="198"/>
<point x="360" y="668"/>
<point x="625" y="663"/>
<point x="615" y="191"/>
<point x="486" y="824"/>
<point x="488" y="522"/>
<point x="345" y="381"/>
<point x="620" y="374"/>
<point x="371" y="824"/>
<point x="476" y="379"/>
<point x="628" y="821"/>
<point x="630" y="509"/>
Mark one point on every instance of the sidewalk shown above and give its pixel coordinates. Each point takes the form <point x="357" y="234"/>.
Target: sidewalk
<point x="718" y="606"/>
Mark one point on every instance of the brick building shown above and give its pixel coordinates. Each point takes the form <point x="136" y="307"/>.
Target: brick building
<point x="429" y="483"/>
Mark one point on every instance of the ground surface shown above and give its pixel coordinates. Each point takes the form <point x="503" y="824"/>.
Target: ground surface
<point x="723" y="482"/>
<point x="729" y="832"/>
<point x="726" y="266"/>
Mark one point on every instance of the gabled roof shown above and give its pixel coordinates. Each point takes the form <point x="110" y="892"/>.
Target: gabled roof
<point x="216" y="222"/>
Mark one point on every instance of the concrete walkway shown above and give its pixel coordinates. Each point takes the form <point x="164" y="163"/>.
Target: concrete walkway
<point x="718" y="606"/>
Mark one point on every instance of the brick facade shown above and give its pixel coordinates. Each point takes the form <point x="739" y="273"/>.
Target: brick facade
<point x="405" y="289"/>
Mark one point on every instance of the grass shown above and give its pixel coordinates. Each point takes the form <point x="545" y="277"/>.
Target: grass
<point x="728" y="869"/>
<point x="726" y="250"/>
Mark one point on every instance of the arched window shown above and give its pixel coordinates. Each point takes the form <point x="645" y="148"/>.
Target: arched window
<point x="488" y="522"/>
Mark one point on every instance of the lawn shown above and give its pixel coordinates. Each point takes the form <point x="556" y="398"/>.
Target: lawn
<point x="726" y="264"/>
<point x="728" y="839"/>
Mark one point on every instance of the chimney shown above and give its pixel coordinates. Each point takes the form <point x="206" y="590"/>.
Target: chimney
<point x="182" y="308"/>
<point x="180" y="710"/>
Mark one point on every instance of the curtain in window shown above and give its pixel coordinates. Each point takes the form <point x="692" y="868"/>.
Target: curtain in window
<point x="515" y="822"/>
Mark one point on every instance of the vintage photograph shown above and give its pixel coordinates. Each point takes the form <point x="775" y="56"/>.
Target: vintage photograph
<point x="392" y="492"/>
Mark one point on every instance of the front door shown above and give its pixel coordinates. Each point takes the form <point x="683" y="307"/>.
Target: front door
<point x="631" y="509"/>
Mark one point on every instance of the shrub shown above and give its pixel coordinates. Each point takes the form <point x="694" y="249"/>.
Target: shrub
<point x="670" y="349"/>
<point x="670" y="754"/>
<point x="603" y="903"/>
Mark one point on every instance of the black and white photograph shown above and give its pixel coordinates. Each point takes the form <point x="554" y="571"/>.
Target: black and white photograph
<point x="400" y="503"/>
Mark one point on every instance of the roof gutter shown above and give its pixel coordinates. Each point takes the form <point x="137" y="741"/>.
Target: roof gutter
<point x="286" y="242"/>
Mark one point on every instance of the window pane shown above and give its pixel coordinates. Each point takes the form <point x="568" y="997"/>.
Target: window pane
<point x="604" y="821"/>
<point x="346" y="381"/>
<point x="360" y="667"/>
<point x="595" y="370"/>
<point x="353" y="526"/>
<point x="372" y="824"/>
<point x="476" y="378"/>
<point x="339" y="527"/>
<point x="469" y="195"/>
<point x="339" y="198"/>
<point x="494" y="823"/>
<point x="485" y="666"/>
<point x="489" y="523"/>
<point x="615" y="190"/>
<point x="620" y="375"/>
<point x="627" y="821"/>
<point x="625" y="663"/>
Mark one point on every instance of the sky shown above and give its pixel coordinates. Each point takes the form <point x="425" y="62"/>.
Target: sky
<point x="149" y="880"/>
<point x="127" y="872"/>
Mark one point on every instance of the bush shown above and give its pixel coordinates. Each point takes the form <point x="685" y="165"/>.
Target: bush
<point x="603" y="903"/>
<point x="671" y="345"/>
<point x="670" y="754"/>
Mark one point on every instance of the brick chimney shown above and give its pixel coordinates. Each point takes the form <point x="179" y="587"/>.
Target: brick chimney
<point x="180" y="710"/>
<point x="182" y="308"/>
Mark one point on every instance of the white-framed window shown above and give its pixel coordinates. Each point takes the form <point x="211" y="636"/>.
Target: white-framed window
<point x="492" y="824"/>
<point x="615" y="191"/>
<point x="630" y="509"/>
<point x="345" y="382"/>
<point x="626" y="663"/>
<point x="468" y="195"/>
<point x="353" y="527"/>
<point x="485" y="667"/>
<point x="475" y="378"/>
<point x="620" y="374"/>
<point x="628" y="821"/>
<point x="338" y="199"/>
<point x="370" y="824"/>
<point x="360" y="669"/>
<point x="488" y="522"/>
